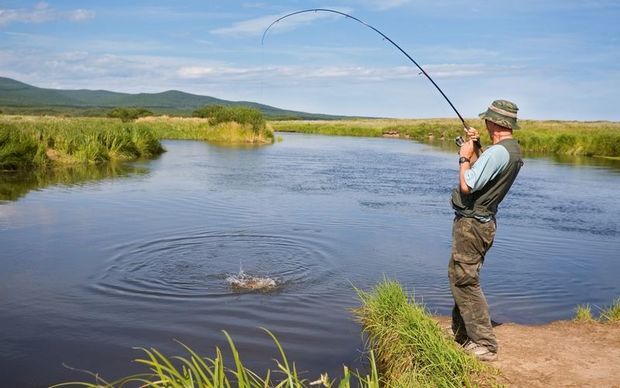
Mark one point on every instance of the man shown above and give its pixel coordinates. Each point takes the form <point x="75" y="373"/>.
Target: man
<point x="484" y="180"/>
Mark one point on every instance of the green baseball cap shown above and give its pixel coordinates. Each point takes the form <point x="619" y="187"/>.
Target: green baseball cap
<point x="502" y="112"/>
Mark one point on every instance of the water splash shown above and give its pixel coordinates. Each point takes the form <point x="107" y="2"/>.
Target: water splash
<point x="246" y="282"/>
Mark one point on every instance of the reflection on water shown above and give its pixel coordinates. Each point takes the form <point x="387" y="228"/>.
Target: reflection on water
<point x="587" y="161"/>
<point x="15" y="184"/>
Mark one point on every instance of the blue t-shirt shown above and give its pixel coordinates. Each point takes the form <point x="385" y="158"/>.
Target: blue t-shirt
<point x="490" y="163"/>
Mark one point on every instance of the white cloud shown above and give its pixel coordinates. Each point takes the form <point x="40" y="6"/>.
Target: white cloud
<point x="256" y="26"/>
<point x="41" y="13"/>
<point x="84" y="68"/>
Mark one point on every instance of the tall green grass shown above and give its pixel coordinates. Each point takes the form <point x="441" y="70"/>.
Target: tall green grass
<point x="18" y="149"/>
<point x="410" y="347"/>
<point x="609" y="314"/>
<point x="34" y="141"/>
<point x="193" y="370"/>
<point x="201" y="129"/>
<point x="552" y="137"/>
<point x="43" y="141"/>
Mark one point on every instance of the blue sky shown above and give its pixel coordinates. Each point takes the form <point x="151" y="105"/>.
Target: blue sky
<point x="555" y="59"/>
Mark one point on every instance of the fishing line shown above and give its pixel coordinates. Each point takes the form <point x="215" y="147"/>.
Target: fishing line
<point x="385" y="37"/>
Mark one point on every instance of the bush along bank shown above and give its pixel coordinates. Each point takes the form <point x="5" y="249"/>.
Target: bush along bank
<point x="45" y="141"/>
<point x="236" y="123"/>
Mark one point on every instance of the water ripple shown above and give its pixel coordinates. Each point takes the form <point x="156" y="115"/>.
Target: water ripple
<point x="196" y="266"/>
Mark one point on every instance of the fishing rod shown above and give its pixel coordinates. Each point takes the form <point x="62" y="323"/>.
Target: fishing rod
<point x="465" y="125"/>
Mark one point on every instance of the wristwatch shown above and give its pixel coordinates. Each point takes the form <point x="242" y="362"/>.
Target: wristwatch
<point x="463" y="159"/>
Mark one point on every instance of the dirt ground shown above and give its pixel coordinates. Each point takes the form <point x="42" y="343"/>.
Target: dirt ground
<point x="559" y="354"/>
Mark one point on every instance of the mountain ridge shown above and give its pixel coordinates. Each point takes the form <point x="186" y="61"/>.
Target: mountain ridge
<point x="17" y="96"/>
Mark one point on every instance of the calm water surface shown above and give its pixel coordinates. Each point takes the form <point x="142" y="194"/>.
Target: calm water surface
<point x="140" y="258"/>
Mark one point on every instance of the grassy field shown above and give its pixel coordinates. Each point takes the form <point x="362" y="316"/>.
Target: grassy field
<point x="599" y="138"/>
<point x="35" y="141"/>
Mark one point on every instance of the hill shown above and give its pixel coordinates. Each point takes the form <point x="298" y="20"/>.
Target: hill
<point x="19" y="97"/>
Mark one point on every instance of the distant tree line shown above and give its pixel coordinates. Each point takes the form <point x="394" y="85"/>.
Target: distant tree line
<point x="240" y="114"/>
<point x="129" y="114"/>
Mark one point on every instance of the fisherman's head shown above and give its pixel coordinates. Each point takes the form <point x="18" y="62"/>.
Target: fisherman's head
<point x="500" y="116"/>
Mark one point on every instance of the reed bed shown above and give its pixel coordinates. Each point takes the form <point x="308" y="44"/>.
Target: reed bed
<point x="44" y="141"/>
<point x="601" y="138"/>
<point x="410" y="347"/>
<point x="35" y="141"/>
<point x="193" y="370"/>
<point x="194" y="128"/>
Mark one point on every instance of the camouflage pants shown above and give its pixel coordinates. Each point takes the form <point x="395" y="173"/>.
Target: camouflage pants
<point x="471" y="240"/>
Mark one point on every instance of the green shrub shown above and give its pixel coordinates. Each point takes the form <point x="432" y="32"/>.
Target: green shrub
<point x="129" y="114"/>
<point x="218" y="114"/>
<point x="207" y="111"/>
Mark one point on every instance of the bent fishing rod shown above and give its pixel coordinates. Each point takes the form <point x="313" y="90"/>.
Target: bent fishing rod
<point x="465" y="125"/>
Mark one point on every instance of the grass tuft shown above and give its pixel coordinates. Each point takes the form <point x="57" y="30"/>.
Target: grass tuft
<point x="612" y="313"/>
<point x="411" y="348"/>
<point x="583" y="313"/>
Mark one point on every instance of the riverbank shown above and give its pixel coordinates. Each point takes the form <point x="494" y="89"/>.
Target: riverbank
<point x="596" y="138"/>
<point x="414" y="349"/>
<point x="557" y="354"/>
<point x="43" y="141"/>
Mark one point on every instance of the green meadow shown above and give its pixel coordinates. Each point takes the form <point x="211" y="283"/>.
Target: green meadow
<point x="599" y="138"/>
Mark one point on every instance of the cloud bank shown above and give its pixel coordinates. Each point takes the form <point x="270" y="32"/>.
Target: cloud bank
<point x="42" y="13"/>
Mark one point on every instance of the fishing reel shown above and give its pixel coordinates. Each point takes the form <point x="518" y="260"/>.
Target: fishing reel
<point x="460" y="141"/>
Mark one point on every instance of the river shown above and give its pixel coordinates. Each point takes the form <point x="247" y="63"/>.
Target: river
<point x="139" y="255"/>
